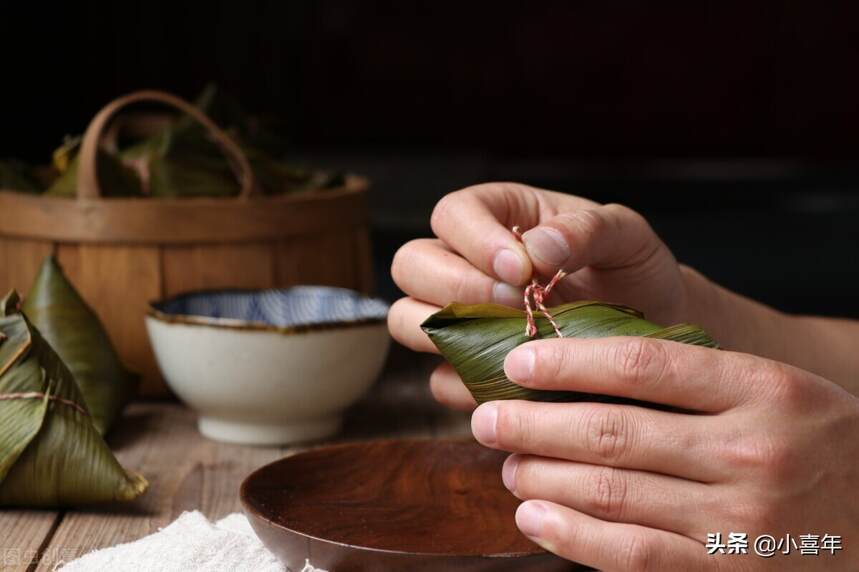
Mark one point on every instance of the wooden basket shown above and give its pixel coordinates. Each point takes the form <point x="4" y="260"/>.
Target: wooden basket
<point x="122" y="253"/>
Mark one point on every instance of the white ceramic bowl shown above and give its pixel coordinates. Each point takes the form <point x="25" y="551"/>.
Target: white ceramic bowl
<point x="273" y="366"/>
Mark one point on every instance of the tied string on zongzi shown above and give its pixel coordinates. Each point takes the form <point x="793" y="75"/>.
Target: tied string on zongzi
<point x="537" y="292"/>
<point x="40" y="395"/>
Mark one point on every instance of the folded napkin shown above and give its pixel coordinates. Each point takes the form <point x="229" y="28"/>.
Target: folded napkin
<point x="189" y="543"/>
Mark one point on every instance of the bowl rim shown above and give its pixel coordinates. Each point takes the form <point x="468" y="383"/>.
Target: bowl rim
<point x="257" y="326"/>
<point x="252" y="512"/>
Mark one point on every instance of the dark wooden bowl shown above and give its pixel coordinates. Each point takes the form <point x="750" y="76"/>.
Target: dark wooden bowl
<point x="392" y="505"/>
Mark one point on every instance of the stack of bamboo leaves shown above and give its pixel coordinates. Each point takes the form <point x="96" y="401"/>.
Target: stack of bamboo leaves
<point x="176" y="159"/>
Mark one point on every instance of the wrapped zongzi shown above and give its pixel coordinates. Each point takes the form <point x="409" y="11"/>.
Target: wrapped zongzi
<point x="50" y="453"/>
<point x="476" y="339"/>
<point x="76" y="334"/>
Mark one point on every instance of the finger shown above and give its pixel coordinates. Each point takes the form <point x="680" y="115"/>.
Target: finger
<point x="476" y="223"/>
<point x="609" y="236"/>
<point x="618" y="495"/>
<point x="448" y="389"/>
<point x="427" y="270"/>
<point x="646" y="369"/>
<point x="608" y="546"/>
<point x="603" y="434"/>
<point x="404" y="322"/>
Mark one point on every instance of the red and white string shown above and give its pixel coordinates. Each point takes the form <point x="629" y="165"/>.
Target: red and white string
<point x="537" y="292"/>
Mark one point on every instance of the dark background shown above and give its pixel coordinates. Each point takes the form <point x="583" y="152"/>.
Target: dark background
<point x="732" y="125"/>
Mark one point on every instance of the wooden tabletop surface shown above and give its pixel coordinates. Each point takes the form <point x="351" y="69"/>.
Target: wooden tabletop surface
<point x="189" y="472"/>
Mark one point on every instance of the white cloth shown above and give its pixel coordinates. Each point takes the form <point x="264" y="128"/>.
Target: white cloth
<point x="189" y="543"/>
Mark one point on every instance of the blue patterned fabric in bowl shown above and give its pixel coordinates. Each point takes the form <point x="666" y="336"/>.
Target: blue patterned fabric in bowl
<point x="287" y="308"/>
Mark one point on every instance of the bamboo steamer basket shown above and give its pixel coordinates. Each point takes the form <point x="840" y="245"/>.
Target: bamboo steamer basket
<point x="122" y="253"/>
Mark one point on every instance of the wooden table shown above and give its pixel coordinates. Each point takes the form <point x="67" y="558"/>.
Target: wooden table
<point x="189" y="472"/>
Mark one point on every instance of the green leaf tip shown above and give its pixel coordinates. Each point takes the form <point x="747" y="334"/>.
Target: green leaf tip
<point x="10" y="304"/>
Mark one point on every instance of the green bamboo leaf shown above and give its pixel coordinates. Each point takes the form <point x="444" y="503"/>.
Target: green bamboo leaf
<point x="227" y="112"/>
<point x="76" y="334"/>
<point x="50" y="453"/>
<point x="475" y="339"/>
<point x="115" y="178"/>
<point x="183" y="160"/>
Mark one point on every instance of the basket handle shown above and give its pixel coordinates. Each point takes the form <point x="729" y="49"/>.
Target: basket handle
<point x="88" y="187"/>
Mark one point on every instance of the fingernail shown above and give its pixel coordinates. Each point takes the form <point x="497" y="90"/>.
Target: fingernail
<point x="547" y="245"/>
<point x="529" y="518"/>
<point x="506" y="294"/>
<point x="519" y="365"/>
<point x="508" y="472"/>
<point x="483" y="423"/>
<point x="509" y="266"/>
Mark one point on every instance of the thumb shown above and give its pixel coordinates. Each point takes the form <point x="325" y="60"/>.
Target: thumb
<point x="605" y="237"/>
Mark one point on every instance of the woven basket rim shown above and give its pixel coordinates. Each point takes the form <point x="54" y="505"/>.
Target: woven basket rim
<point x="182" y="220"/>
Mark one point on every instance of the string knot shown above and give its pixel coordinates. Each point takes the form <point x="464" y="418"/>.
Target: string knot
<point x="536" y="292"/>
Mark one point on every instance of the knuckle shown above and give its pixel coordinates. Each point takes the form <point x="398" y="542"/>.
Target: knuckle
<point x="609" y="493"/>
<point x="775" y="460"/>
<point x="607" y="433"/>
<point x="621" y="213"/>
<point x="635" y="554"/>
<point x="464" y="289"/>
<point x="640" y="360"/>
<point x="642" y="243"/>
<point x="549" y="361"/>
<point x="443" y="208"/>
<point x="586" y="222"/>
<point x="447" y="207"/>
<point x="771" y="457"/>
<point x="786" y="385"/>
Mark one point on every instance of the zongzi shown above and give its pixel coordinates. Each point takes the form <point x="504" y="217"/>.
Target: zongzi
<point x="76" y="334"/>
<point x="475" y="339"/>
<point x="50" y="453"/>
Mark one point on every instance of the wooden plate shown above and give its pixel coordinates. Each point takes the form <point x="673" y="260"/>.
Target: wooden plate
<point x="392" y="505"/>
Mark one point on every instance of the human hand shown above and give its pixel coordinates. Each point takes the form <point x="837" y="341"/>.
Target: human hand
<point x="610" y="252"/>
<point x="765" y="448"/>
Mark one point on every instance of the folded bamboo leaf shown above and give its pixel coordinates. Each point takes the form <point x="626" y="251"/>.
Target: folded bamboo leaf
<point x="181" y="162"/>
<point x="227" y="112"/>
<point x="50" y="453"/>
<point x="280" y="177"/>
<point x="115" y="178"/>
<point x="475" y="339"/>
<point x="184" y="161"/>
<point x="76" y="334"/>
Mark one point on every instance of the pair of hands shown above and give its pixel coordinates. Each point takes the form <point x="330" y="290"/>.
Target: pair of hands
<point x="765" y="448"/>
